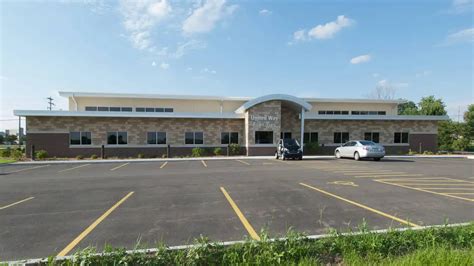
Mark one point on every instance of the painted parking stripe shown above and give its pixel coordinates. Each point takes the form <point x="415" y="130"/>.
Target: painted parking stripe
<point x="402" y="221"/>
<point x="91" y="227"/>
<point x="69" y="169"/>
<point x="163" y="165"/>
<point x="365" y="170"/>
<point x="15" y="203"/>
<point x="241" y="216"/>
<point x="421" y="189"/>
<point x="244" y="162"/>
<point x="26" y="169"/>
<point x="204" y="163"/>
<point x="436" y="184"/>
<point x="387" y="175"/>
<point x="120" y="166"/>
<point x="377" y="173"/>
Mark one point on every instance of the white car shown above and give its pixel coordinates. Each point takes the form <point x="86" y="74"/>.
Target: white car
<point x="360" y="149"/>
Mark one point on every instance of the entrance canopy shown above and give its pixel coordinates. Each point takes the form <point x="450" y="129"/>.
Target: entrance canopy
<point x="275" y="97"/>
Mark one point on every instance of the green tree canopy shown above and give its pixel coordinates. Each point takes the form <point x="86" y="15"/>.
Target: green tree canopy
<point x="432" y="106"/>
<point x="408" y="108"/>
<point x="469" y="119"/>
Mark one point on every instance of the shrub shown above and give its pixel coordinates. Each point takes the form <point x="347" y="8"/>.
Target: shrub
<point x="411" y="152"/>
<point x="79" y="157"/>
<point x="428" y="153"/>
<point x="93" y="157"/>
<point x="6" y="152"/>
<point x="311" y="147"/>
<point x="41" y="154"/>
<point x="234" y="149"/>
<point x="197" y="152"/>
<point x="141" y="155"/>
<point x="17" y="154"/>
<point x="217" y="151"/>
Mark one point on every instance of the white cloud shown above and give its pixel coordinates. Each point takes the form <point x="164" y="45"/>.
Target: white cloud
<point x="461" y="6"/>
<point x="423" y="73"/>
<point x="164" y="65"/>
<point x="139" y="19"/>
<point x="462" y="36"/>
<point x="265" y="12"/>
<point x="208" y="71"/>
<point x="329" y="29"/>
<point x="189" y="69"/>
<point x="360" y="59"/>
<point x="153" y="64"/>
<point x="375" y="75"/>
<point x="323" y="31"/>
<point x="184" y="48"/>
<point x="204" y="18"/>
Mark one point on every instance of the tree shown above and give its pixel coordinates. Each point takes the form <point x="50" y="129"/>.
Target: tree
<point x="2" y="139"/>
<point x="11" y="139"/>
<point x="469" y="120"/>
<point x="432" y="106"/>
<point x="408" y="108"/>
<point x="383" y="90"/>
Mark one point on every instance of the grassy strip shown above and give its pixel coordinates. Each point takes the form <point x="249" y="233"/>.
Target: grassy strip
<point x="439" y="246"/>
<point x="6" y="160"/>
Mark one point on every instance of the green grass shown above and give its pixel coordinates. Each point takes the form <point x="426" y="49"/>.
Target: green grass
<point x="433" y="246"/>
<point x="6" y="160"/>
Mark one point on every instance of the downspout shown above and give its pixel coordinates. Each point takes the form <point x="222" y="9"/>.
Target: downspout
<point x="75" y="102"/>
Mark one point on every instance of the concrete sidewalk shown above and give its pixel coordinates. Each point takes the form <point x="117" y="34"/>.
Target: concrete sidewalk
<point x="308" y="157"/>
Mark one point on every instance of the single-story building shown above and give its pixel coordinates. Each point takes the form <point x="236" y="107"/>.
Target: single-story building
<point x="130" y="124"/>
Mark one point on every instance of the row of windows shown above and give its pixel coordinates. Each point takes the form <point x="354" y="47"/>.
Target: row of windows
<point x="261" y="137"/>
<point x="128" y="109"/>
<point x="325" y="112"/>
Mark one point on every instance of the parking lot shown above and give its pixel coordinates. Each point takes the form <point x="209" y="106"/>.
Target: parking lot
<point x="58" y="209"/>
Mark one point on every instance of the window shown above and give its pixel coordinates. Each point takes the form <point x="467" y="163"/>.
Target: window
<point x="115" y="109"/>
<point x="355" y="113"/>
<point x="140" y="109"/>
<point x="372" y="136"/>
<point x="168" y="110"/>
<point x="114" y="138"/>
<point x="156" y="137"/>
<point x="103" y="108"/>
<point x="341" y="137"/>
<point x="263" y="137"/>
<point x="321" y="112"/>
<point x="400" y="137"/>
<point x="230" y="138"/>
<point x="149" y="110"/>
<point x="344" y="112"/>
<point x="382" y="113"/>
<point x="159" y="110"/>
<point x="91" y="108"/>
<point x="193" y="138"/>
<point x="80" y="138"/>
<point x="369" y="112"/>
<point x="285" y="135"/>
<point x="310" y="137"/>
<point x="126" y="109"/>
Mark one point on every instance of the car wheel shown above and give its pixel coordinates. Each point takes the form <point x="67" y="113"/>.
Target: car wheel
<point x="300" y="158"/>
<point x="356" y="156"/>
<point x="376" y="159"/>
<point x="283" y="157"/>
<point x="338" y="155"/>
<point x="276" y="155"/>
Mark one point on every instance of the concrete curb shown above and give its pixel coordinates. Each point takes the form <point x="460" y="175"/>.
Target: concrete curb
<point x="312" y="157"/>
<point x="471" y="157"/>
<point x="229" y="243"/>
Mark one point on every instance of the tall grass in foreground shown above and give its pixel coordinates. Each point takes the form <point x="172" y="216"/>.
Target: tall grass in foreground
<point x="433" y="246"/>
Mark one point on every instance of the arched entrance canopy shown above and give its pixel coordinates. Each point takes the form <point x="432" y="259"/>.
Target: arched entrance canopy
<point x="274" y="97"/>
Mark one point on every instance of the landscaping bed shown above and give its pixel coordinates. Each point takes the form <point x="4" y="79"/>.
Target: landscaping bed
<point x="446" y="245"/>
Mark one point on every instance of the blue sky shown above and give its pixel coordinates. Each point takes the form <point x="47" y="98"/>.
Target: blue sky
<point x="235" y="48"/>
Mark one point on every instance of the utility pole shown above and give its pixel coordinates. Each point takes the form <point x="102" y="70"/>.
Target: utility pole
<point x="50" y="103"/>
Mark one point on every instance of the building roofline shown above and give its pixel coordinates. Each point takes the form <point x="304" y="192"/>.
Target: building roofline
<point x="313" y="116"/>
<point x="216" y="115"/>
<point x="207" y="97"/>
<point x="272" y="97"/>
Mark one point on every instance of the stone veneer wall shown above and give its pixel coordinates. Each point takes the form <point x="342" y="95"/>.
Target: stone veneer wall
<point x="266" y="109"/>
<point x="290" y="121"/>
<point x="137" y="128"/>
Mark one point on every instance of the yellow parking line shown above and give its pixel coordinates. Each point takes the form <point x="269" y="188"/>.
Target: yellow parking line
<point x="91" y="227"/>
<point x="241" y="216"/>
<point x="120" y="166"/>
<point x="417" y="179"/>
<point x="447" y="188"/>
<point x="244" y="162"/>
<point x="362" y="206"/>
<point x="15" y="203"/>
<point x="387" y="175"/>
<point x="377" y="173"/>
<point x="204" y="163"/>
<point x="74" y="168"/>
<point x="26" y="169"/>
<point x="365" y="170"/>
<point x="457" y="193"/>
<point x="163" y="165"/>
<point x="435" y="184"/>
<point x="424" y="190"/>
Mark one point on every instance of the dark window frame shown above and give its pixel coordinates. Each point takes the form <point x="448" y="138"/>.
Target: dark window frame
<point x="308" y="137"/>
<point x="156" y="138"/>
<point x="80" y="139"/>
<point x="343" y="137"/>
<point x="194" y="133"/>
<point x="264" y="132"/>
<point x="401" y="137"/>
<point x="117" y="135"/>
<point x="373" y="136"/>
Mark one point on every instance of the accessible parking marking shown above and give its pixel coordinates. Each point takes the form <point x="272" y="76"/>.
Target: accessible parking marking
<point x="91" y="227"/>
<point x="443" y="186"/>
<point x="69" y="169"/>
<point x="362" y="206"/>
<point x="15" y="203"/>
<point x="120" y="166"/>
<point x="241" y="216"/>
<point x="163" y="165"/>
<point x="26" y="169"/>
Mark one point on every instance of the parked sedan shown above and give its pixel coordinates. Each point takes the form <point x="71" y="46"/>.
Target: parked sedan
<point x="360" y="149"/>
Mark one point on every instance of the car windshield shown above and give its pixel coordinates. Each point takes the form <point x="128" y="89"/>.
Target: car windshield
<point x="290" y="142"/>
<point x="367" y="143"/>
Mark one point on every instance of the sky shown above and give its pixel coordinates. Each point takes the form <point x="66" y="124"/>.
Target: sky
<point x="328" y="49"/>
